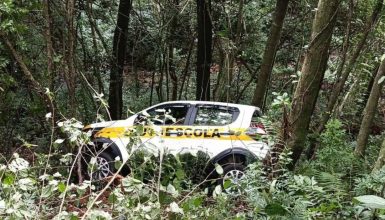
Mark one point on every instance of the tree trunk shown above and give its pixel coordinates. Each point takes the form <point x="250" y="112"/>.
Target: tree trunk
<point x="171" y="57"/>
<point x="346" y="71"/>
<point x="313" y="143"/>
<point x="186" y="69"/>
<point x="381" y="159"/>
<point x="94" y="26"/>
<point x="253" y="74"/>
<point x="49" y="44"/>
<point x="313" y="70"/>
<point x="32" y="83"/>
<point x="269" y="53"/>
<point x="95" y="31"/>
<point x="204" y="50"/>
<point x="70" y="72"/>
<point x="369" y="112"/>
<point x="115" y="100"/>
<point x="159" y="88"/>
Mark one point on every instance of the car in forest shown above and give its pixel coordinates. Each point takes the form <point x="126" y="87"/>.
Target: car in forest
<point x="229" y="134"/>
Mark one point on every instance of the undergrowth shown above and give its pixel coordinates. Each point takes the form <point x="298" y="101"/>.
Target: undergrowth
<point x="171" y="187"/>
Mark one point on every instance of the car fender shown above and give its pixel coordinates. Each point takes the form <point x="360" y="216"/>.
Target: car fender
<point x="112" y="146"/>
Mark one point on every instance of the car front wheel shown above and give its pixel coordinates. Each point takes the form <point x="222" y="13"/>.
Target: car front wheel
<point x="101" y="167"/>
<point x="232" y="176"/>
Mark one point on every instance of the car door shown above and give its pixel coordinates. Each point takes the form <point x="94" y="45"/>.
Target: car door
<point x="214" y="128"/>
<point x="164" y="126"/>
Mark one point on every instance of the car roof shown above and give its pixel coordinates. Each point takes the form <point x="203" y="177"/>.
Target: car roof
<point x="194" y="102"/>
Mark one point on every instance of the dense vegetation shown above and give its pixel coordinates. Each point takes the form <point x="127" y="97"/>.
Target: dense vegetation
<point x="315" y="67"/>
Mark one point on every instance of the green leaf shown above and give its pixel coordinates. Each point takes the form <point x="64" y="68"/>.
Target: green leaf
<point x="223" y="33"/>
<point x="171" y="189"/>
<point x="219" y="169"/>
<point x="180" y="174"/>
<point x="198" y="201"/>
<point x="165" y="198"/>
<point x="118" y="164"/>
<point x="175" y="208"/>
<point x="61" y="187"/>
<point x="371" y="201"/>
<point x="47" y="191"/>
<point x="226" y="184"/>
<point x="275" y="209"/>
<point x="112" y="198"/>
<point x="139" y="129"/>
<point x="217" y="191"/>
<point x="9" y="179"/>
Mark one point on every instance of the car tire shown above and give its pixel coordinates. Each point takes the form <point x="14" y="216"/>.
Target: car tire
<point x="233" y="172"/>
<point x="104" y="167"/>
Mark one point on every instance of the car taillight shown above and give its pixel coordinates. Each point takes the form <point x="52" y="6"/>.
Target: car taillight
<point x="255" y="130"/>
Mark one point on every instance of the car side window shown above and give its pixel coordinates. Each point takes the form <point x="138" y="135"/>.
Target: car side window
<point x="165" y="115"/>
<point x="215" y="115"/>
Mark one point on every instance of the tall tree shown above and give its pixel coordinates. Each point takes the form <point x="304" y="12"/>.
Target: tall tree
<point x="49" y="43"/>
<point x="70" y="71"/>
<point x="269" y="53"/>
<point x="115" y="100"/>
<point x="344" y="72"/>
<point x="204" y="50"/>
<point x="313" y="70"/>
<point x="171" y="56"/>
<point x="370" y="111"/>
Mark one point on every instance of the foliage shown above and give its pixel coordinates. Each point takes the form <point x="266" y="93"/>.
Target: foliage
<point x="38" y="157"/>
<point x="335" y="154"/>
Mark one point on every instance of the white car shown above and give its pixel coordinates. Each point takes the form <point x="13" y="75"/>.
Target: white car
<point x="228" y="133"/>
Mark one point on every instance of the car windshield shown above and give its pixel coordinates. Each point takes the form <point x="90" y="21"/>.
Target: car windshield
<point x="165" y="115"/>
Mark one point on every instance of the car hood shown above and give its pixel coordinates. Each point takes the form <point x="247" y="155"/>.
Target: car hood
<point x="118" y="123"/>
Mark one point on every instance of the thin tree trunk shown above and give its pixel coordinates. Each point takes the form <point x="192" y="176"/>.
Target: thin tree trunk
<point x="70" y="72"/>
<point x="313" y="70"/>
<point x="204" y="51"/>
<point x="370" y="111"/>
<point x="346" y="72"/>
<point x="48" y="38"/>
<point x="366" y="94"/>
<point x="115" y="100"/>
<point x="159" y="89"/>
<point x="152" y="86"/>
<point x="95" y="66"/>
<point x="381" y="159"/>
<point x="186" y="69"/>
<point x="269" y="53"/>
<point x="172" y="69"/>
<point x="253" y="74"/>
<point x="93" y="24"/>
<point x="173" y="76"/>
<point x="167" y="62"/>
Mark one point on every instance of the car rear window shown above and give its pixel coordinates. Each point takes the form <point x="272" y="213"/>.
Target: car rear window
<point x="215" y="115"/>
